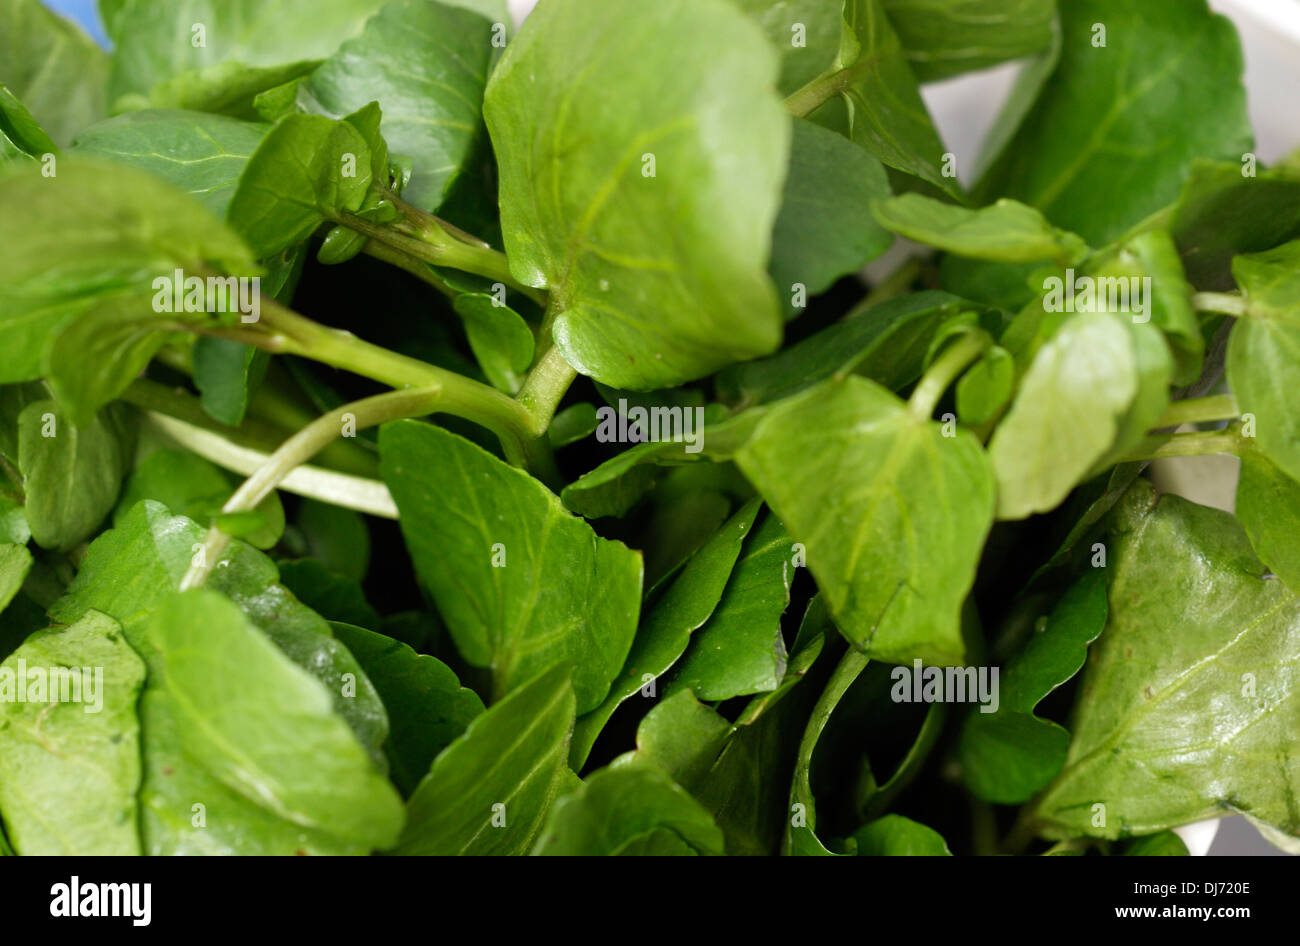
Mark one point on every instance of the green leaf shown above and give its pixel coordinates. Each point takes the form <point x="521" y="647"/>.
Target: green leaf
<point x="739" y="650"/>
<point x="155" y="40"/>
<point x="825" y="229"/>
<point x="1138" y="749"/>
<point x="227" y="375"/>
<point x="575" y="422"/>
<point x="129" y="569"/>
<point x="200" y="154"/>
<point x="329" y="594"/>
<point x="426" y="65"/>
<point x="70" y="742"/>
<point x="501" y="340"/>
<point x="879" y="105"/>
<point x="297" y="179"/>
<point x="20" y="134"/>
<point x="616" y="809"/>
<point x="1009" y="754"/>
<point x="71" y="474"/>
<point x="54" y="68"/>
<point x="1006" y="231"/>
<point x="512" y="756"/>
<point x="892" y="512"/>
<point x="286" y="750"/>
<point x="816" y="23"/>
<point x="1066" y="415"/>
<point x="1271" y="282"/>
<point x="1164" y="844"/>
<point x="1126" y="119"/>
<point x="190" y="486"/>
<point x="896" y="836"/>
<point x="886" y="343"/>
<point x="428" y="707"/>
<point x="666" y="628"/>
<point x="986" y="387"/>
<point x="657" y="279"/>
<point x="1268" y="508"/>
<point x="1222" y="212"/>
<point x="943" y="38"/>
<point x="227" y="88"/>
<point x="15" y="563"/>
<point x="336" y="536"/>
<point x="522" y="585"/>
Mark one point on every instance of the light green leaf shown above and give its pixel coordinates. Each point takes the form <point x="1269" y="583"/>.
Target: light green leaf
<point x="499" y="337"/>
<point x="70" y="743"/>
<point x="896" y="836"/>
<point x="15" y="563"/>
<point x="1268" y="508"/>
<point x="1126" y="119"/>
<point x="817" y="23"/>
<point x="739" y="650"/>
<point x="986" y="387"/>
<point x="1066" y="415"/>
<point x="426" y="65"/>
<point x="71" y="474"/>
<point x="200" y="154"/>
<point x="286" y="750"/>
<point x="1271" y="282"/>
<point x="573" y="423"/>
<point x="892" y="513"/>
<point x="428" y="707"/>
<point x="227" y="88"/>
<point x="509" y="765"/>
<point x="1139" y="748"/>
<point x="657" y="279"/>
<point x="616" y="808"/>
<point x="54" y="68"/>
<point x="522" y="585"/>
<point x="945" y="37"/>
<point x="20" y="134"/>
<point x="825" y="228"/>
<point x="1007" y="231"/>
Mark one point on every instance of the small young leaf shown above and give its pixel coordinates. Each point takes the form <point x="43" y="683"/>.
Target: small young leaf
<point x="1006" y="232"/>
<point x="896" y="836"/>
<point x="499" y="337"/>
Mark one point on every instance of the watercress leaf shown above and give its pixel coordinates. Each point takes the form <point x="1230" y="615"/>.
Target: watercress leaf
<point x="892" y="512"/>
<point x="886" y="343"/>
<point x="650" y="223"/>
<point x="227" y="375"/>
<point x="681" y="736"/>
<point x="1008" y="754"/>
<point x="1223" y="211"/>
<point x="948" y="37"/>
<point x="879" y="105"/>
<point x="336" y="536"/>
<point x="986" y="387"/>
<point x="1154" y="364"/>
<point x="1138" y="749"/>
<point x="666" y="628"/>
<point x="896" y="836"/>
<point x="287" y="750"/>
<point x="825" y="228"/>
<point x="54" y="68"/>
<point x="739" y="650"/>
<point x="805" y="32"/>
<point x="132" y="567"/>
<point x="499" y="337"/>
<point x="428" y="707"/>
<point x="573" y="423"/>
<point x="1271" y="282"/>
<point x="191" y="486"/>
<point x="155" y="40"/>
<point x="93" y="230"/>
<point x="1006" y="231"/>
<point x="513" y="755"/>
<point x="1127" y="118"/>
<point x="1066" y="414"/>
<point x="1268" y="508"/>
<point x="522" y="584"/>
<point x="71" y="474"/>
<point x="70" y="742"/>
<point x="15" y="563"/>
<point x="616" y="808"/>
<point x="330" y="595"/>
<point x="1164" y="844"/>
<point x="297" y="179"/>
<point x="227" y="88"/>
<point x="20" y="134"/>
<point x="426" y="65"/>
<point x="198" y="153"/>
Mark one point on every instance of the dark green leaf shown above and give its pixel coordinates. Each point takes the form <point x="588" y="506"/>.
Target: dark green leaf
<point x="336" y="536"/>
<point x="20" y="134"/>
<point x="1268" y="508"/>
<point x="329" y="594"/>
<point x="896" y="836"/>
<point x="1164" y="844"/>
<point x="945" y="37"/>
<point x="499" y="337"/>
<point x="227" y="375"/>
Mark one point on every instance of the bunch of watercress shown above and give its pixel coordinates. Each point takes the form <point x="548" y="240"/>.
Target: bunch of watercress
<point x="701" y="545"/>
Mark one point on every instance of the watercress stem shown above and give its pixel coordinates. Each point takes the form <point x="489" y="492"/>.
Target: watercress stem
<point x="545" y="387"/>
<point x="1225" y="303"/>
<point x="806" y="100"/>
<point x="1200" y="410"/>
<point x="945" y="369"/>
<point x="1195" y="444"/>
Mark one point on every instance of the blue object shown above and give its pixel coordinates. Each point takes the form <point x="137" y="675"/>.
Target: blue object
<point x="84" y="14"/>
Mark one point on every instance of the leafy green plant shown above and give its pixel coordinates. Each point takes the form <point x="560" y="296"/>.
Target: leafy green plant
<point x="422" y="436"/>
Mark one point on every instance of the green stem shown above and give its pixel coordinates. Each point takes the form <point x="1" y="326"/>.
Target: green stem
<point x="892" y="286"/>
<point x="983" y="828"/>
<point x="945" y="369"/>
<point x="300" y="448"/>
<point x="1225" y="303"/>
<point x="545" y="387"/>
<point x="1195" y="444"/>
<point x="806" y="100"/>
<point x="1200" y="410"/>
